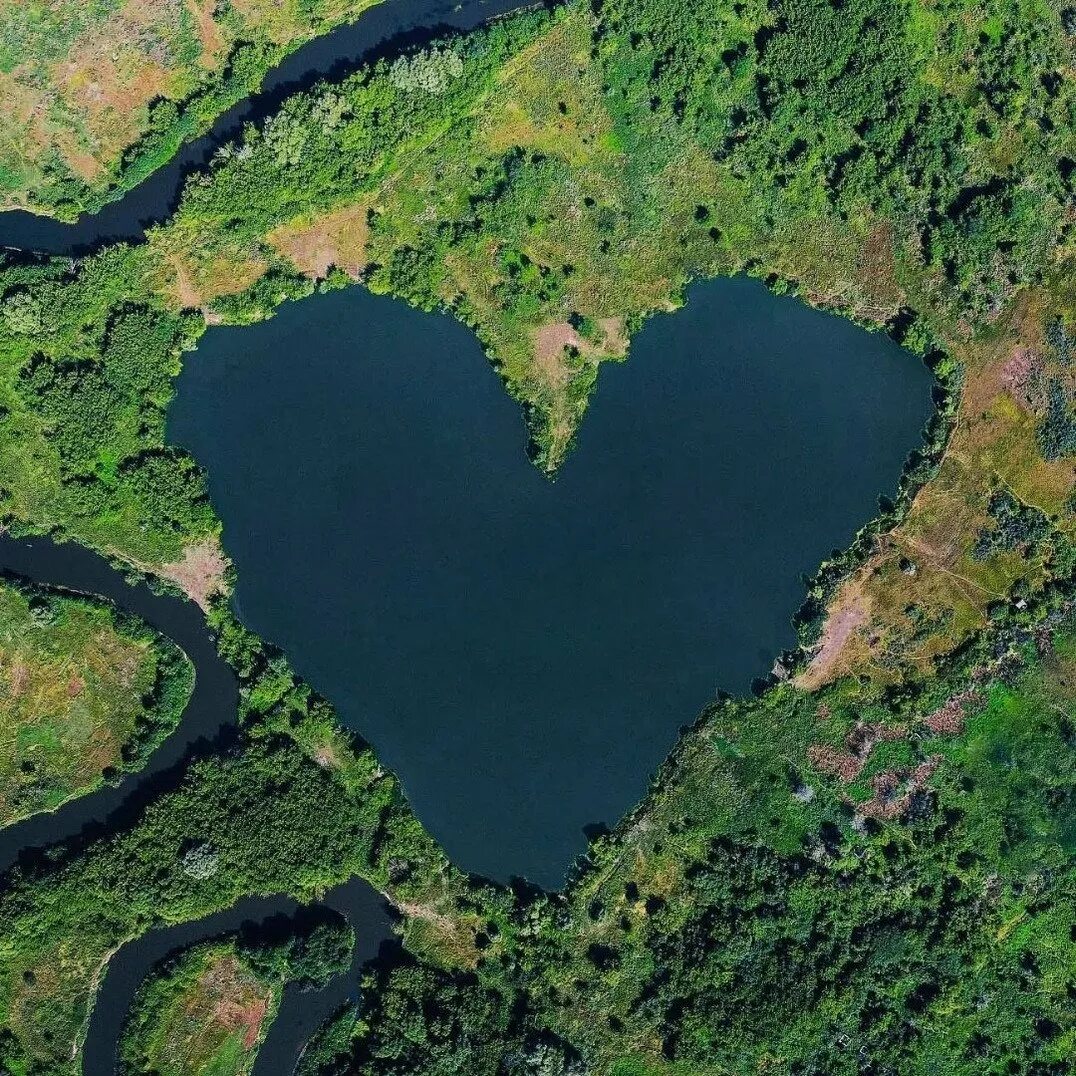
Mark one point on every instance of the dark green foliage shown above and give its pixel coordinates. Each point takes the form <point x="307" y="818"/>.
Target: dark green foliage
<point x="135" y="340"/>
<point x="80" y="409"/>
<point x="1057" y="431"/>
<point x="170" y="486"/>
<point x="98" y="389"/>
<point x="328" y="1053"/>
<point x="1060" y="341"/>
<point x="422" y="1020"/>
<point x="316" y="947"/>
<point x="828" y="99"/>
<point x="1017" y="526"/>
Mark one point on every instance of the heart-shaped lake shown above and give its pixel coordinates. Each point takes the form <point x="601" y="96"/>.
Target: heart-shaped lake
<point x="522" y="651"/>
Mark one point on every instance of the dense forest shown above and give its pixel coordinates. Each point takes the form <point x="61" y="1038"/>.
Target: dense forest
<point x="868" y="868"/>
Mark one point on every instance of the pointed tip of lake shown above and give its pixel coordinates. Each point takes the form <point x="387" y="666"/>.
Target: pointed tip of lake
<point x="524" y="652"/>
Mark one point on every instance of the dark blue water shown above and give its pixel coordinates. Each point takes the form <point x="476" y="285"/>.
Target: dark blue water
<point x="523" y="651"/>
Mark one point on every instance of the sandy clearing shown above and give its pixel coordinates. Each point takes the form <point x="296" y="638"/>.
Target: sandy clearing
<point x="842" y="623"/>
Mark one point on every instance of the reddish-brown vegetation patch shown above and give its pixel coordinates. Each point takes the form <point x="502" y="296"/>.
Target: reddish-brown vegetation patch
<point x="895" y="790"/>
<point x="245" y="1014"/>
<point x="199" y="574"/>
<point x="948" y="719"/>
<point x="847" y="765"/>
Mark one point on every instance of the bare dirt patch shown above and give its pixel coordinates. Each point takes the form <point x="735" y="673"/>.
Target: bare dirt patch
<point x="325" y="756"/>
<point x="200" y="574"/>
<point x="554" y="340"/>
<point x="615" y="333"/>
<point x="18" y="678"/>
<point x="336" y="239"/>
<point x="551" y="343"/>
<point x="195" y="284"/>
<point x="841" y="626"/>
<point x="214" y="44"/>
<point x="184" y="290"/>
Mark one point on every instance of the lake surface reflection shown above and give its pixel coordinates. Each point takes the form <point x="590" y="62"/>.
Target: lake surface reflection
<point x="522" y="651"/>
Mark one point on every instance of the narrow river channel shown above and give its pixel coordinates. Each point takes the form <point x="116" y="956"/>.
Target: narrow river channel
<point x="384" y="30"/>
<point x="209" y="718"/>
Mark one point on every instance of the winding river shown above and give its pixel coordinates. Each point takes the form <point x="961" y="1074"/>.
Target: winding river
<point x="210" y="714"/>
<point x="209" y="718"/>
<point x="382" y="31"/>
<point x="300" y="1013"/>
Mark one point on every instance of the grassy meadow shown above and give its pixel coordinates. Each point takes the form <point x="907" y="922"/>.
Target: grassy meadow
<point x="85" y="695"/>
<point x="205" y="1014"/>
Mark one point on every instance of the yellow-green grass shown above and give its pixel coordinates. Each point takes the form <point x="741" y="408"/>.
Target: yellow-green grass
<point x="203" y="1014"/>
<point x="924" y="590"/>
<point x="84" y="694"/>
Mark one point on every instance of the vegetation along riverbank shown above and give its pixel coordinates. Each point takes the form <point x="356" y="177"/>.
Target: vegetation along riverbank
<point x="100" y="95"/>
<point x="208" y="1008"/>
<point x="869" y="867"/>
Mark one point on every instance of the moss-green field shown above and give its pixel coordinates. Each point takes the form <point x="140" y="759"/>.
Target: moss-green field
<point x="205" y="1014"/>
<point x="84" y="696"/>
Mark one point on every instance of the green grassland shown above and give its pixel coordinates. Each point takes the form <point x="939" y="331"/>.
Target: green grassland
<point x="867" y="869"/>
<point x="85" y="695"/>
<point x="207" y="1013"/>
<point x="98" y="95"/>
<point x="207" y="1009"/>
